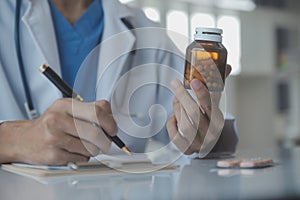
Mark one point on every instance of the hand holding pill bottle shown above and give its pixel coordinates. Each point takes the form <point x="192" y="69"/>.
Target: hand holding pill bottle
<point x="206" y="59"/>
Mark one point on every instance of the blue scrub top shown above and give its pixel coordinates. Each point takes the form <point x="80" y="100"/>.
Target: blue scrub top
<point x="76" y="41"/>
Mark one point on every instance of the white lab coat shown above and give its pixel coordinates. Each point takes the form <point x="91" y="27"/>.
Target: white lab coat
<point x="126" y="46"/>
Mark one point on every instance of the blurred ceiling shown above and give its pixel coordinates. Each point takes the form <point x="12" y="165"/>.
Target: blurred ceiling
<point x="246" y="5"/>
<point x="243" y="5"/>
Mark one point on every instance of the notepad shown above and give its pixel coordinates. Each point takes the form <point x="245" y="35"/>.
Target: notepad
<point x="95" y="162"/>
<point x="102" y="164"/>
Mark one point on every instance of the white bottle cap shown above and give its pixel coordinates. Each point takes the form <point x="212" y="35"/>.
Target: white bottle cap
<point x="209" y="34"/>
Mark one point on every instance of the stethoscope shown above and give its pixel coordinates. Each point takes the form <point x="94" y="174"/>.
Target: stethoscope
<point x="30" y="110"/>
<point x="29" y="107"/>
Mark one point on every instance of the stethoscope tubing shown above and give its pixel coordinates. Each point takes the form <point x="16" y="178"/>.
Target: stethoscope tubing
<point x="28" y="104"/>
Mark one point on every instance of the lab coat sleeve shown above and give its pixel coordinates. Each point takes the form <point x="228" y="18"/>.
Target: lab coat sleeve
<point x="227" y="142"/>
<point x="9" y="108"/>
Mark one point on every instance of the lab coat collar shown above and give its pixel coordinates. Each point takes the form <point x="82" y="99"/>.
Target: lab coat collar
<point x="117" y="10"/>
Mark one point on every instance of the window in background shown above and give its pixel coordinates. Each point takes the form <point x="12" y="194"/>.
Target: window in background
<point x="125" y="1"/>
<point x="178" y="23"/>
<point x="152" y="13"/>
<point x="201" y="20"/>
<point x="232" y="40"/>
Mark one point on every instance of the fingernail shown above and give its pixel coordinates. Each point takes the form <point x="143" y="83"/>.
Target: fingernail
<point x="196" y="84"/>
<point x="175" y="83"/>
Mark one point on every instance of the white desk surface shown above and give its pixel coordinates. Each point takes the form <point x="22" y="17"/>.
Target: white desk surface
<point x="198" y="179"/>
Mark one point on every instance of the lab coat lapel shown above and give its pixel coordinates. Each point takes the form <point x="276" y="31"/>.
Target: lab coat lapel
<point x="39" y="47"/>
<point x="39" y="22"/>
<point x="117" y="42"/>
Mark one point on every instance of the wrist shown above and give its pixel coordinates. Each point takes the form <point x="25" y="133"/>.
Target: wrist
<point x="10" y="141"/>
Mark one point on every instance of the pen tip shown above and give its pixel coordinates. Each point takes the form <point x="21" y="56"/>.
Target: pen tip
<point x="126" y="150"/>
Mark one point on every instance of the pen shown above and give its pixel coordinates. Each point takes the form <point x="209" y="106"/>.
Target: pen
<point x="69" y="92"/>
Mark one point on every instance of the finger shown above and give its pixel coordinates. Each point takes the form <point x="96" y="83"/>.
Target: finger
<point x="203" y="96"/>
<point x="184" y="123"/>
<point x="228" y="70"/>
<point x="180" y="114"/>
<point x="65" y="124"/>
<point x="105" y="118"/>
<point x="181" y="142"/>
<point x="185" y="99"/>
<point x="172" y="127"/>
<point x="92" y="134"/>
<point x="78" y="146"/>
<point x="98" y="112"/>
<point x="177" y="109"/>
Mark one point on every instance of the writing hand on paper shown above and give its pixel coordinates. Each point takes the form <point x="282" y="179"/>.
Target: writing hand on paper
<point x="191" y="120"/>
<point x="58" y="136"/>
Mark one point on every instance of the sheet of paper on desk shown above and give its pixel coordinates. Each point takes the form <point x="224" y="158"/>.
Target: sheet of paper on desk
<point x="136" y="164"/>
<point x="105" y="160"/>
<point x="117" y="161"/>
<point x="45" y="167"/>
<point x="123" y="159"/>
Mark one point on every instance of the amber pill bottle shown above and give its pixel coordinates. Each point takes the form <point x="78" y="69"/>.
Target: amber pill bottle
<point x="206" y="59"/>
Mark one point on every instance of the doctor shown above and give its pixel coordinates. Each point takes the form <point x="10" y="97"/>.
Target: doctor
<point x="64" y="33"/>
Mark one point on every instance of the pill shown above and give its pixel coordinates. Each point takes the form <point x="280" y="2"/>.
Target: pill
<point x="256" y="163"/>
<point x="229" y="163"/>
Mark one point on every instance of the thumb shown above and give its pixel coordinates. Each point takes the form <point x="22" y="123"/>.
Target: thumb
<point x="228" y="70"/>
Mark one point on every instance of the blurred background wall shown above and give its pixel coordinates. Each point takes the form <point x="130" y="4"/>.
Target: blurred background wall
<point x="263" y="41"/>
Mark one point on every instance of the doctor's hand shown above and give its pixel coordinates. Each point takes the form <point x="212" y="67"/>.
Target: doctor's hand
<point x="63" y="134"/>
<point x="192" y="121"/>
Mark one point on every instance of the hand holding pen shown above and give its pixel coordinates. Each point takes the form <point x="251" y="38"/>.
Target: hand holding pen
<point x="68" y="92"/>
<point x="62" y="134"/>
<point x="59" y="136"/>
